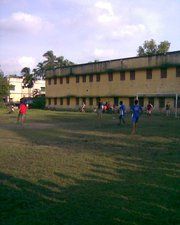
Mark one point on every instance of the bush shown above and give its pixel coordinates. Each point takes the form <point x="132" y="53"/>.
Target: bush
<point x="39" y="102"/>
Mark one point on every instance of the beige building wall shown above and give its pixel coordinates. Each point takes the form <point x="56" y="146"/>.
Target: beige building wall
<point x="113" y="91"/>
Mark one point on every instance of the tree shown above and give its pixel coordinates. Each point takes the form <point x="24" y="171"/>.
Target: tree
<point x="4" y="86"/>
<point x="28" y="78"/>
<point x="151" y="48"/>
<point x="50" y="61"/>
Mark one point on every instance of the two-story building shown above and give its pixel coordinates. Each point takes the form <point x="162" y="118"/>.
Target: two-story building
<point x="18" y="91"/>
<point x="150" y="78"/>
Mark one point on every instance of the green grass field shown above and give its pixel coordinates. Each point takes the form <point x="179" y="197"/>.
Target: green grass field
<point x="67" y="168"/>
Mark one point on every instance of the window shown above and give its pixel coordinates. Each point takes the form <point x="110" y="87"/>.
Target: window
<point x="151" y="100"/>
<point x="161" y="102"/>
<point x="43" y="89"/>
<point x="148" y="74"/>
<point x="12" y="87"/>
<point x="163" y="72"/>
<point x="141" y="101"/>
<point x="91" y="78"/>
<point x="178" y="102"/>
<point x="177" y="71"/>
<point x="122" y="75"/>
<point x="55" y="80"/>
<point x="68" y="101"/>
<point x="77" y="79"/>
<point x="132" y="75"/>
<point x="49" y="81"/>
<point x="90" y="101"/>
<point x="110" y="76"/>
<point x="77" y="101"/>
<point x="131" y="101"/>
<point x="49" y="101"/>
<point x="84" y="78"/>
<point x="98" y="77"/>
<point x="55" y="101"/>
<point x="61" y="80"/>
<point x="97" y="101"/>
<point x="67" y="80"/>
<point x="61" y="101"/>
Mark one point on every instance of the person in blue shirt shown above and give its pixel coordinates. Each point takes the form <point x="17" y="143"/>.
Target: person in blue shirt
<point x="136" y="111"/>
<point x="122" y="110"/>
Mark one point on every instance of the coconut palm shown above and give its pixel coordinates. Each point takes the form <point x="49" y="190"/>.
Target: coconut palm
<point x="28" y="78"/>
<point x="51" y="60"/>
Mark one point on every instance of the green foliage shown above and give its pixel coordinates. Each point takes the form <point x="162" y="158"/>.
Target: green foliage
<point x="151" y="48"/>
<point x="4" y="86"/>
<point x="39" y="102"/>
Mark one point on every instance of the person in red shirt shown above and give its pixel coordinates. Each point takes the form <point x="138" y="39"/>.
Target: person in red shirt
<point x="22" y="112"/>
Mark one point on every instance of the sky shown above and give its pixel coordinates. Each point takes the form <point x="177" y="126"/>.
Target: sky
<point x="82" y="30"/>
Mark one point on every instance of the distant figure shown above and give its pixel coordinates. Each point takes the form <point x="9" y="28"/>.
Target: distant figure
<point x="100" y="109"/>
<point x="149" y="109"/>
<point x="168" y="106"/>
<point x="83" y="107"/>
<point x="11" y="108"/>
<point x="22" y="112"/>
<point x="136" y="110"/>
<point x="122" y="110"/>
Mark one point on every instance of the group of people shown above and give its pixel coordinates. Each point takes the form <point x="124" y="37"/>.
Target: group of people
<point x="136" y="110"/>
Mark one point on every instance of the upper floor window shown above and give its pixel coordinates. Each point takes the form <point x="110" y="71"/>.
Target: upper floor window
<point x="110" y="76"/>
<point x="84" y="78"/>
<point x="90" y="78"/>
<point x="77" y="79"/>
<point x="43" y="89"/>
<point x="148" y="74"/>
<point x="132" y="75"/>
<point x="178" y="71"/>
<point x="163" y="72"/>
<point x="12" y="87"/>
<point x="122" y="75"/>
<point x="49" y="81"/>
<point x="61" y="80"/>
<point x="98" y="77"/>
<point x="67" y="80"/>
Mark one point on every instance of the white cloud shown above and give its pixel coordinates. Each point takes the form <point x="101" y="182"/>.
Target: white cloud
<point x="105" y="12"/>
<point x="26" y="61"/>
<point x="20" y="21"/>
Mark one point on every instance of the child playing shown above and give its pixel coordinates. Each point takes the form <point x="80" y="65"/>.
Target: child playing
<point x="136" y="110"/>
<point x="122" y="110"/>
<point x="22" y="112"/>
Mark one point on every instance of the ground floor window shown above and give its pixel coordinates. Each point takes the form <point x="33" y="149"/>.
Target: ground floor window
<point x="68" y="101"/>
<point x="61" y="101"/>
<point x="90" y="101"/>
<point x="161" y="102"/>
<point x="55" y="101"/>
<point x="151" y="101"/>
<point x="141" y="101"/>
<point x="131" y="101"/>
<point x="84" y="100"/>
<point x="49" y="101"/>
<point x="77" y="101"/>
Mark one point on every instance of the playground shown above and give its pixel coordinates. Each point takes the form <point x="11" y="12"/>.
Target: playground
<point x="72" y="168"/>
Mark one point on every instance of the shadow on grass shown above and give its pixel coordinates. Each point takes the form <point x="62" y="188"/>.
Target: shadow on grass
<point x="90" y="200"/>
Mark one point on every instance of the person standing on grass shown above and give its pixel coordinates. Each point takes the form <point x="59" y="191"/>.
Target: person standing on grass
<point x="136" y="110"/>
<point x="149" y="109"/>
<point x="168" y="109"/>
<point x="122" y="110"/>
<point x="100" y="109"/>
<point x="22" y="112"/>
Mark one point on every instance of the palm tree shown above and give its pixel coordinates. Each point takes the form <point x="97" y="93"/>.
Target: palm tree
<point x="28" y="79"/>
<point x="51" y="59"/>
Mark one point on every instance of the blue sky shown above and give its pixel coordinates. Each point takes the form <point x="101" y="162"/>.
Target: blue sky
<point x="82" y="30"/>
